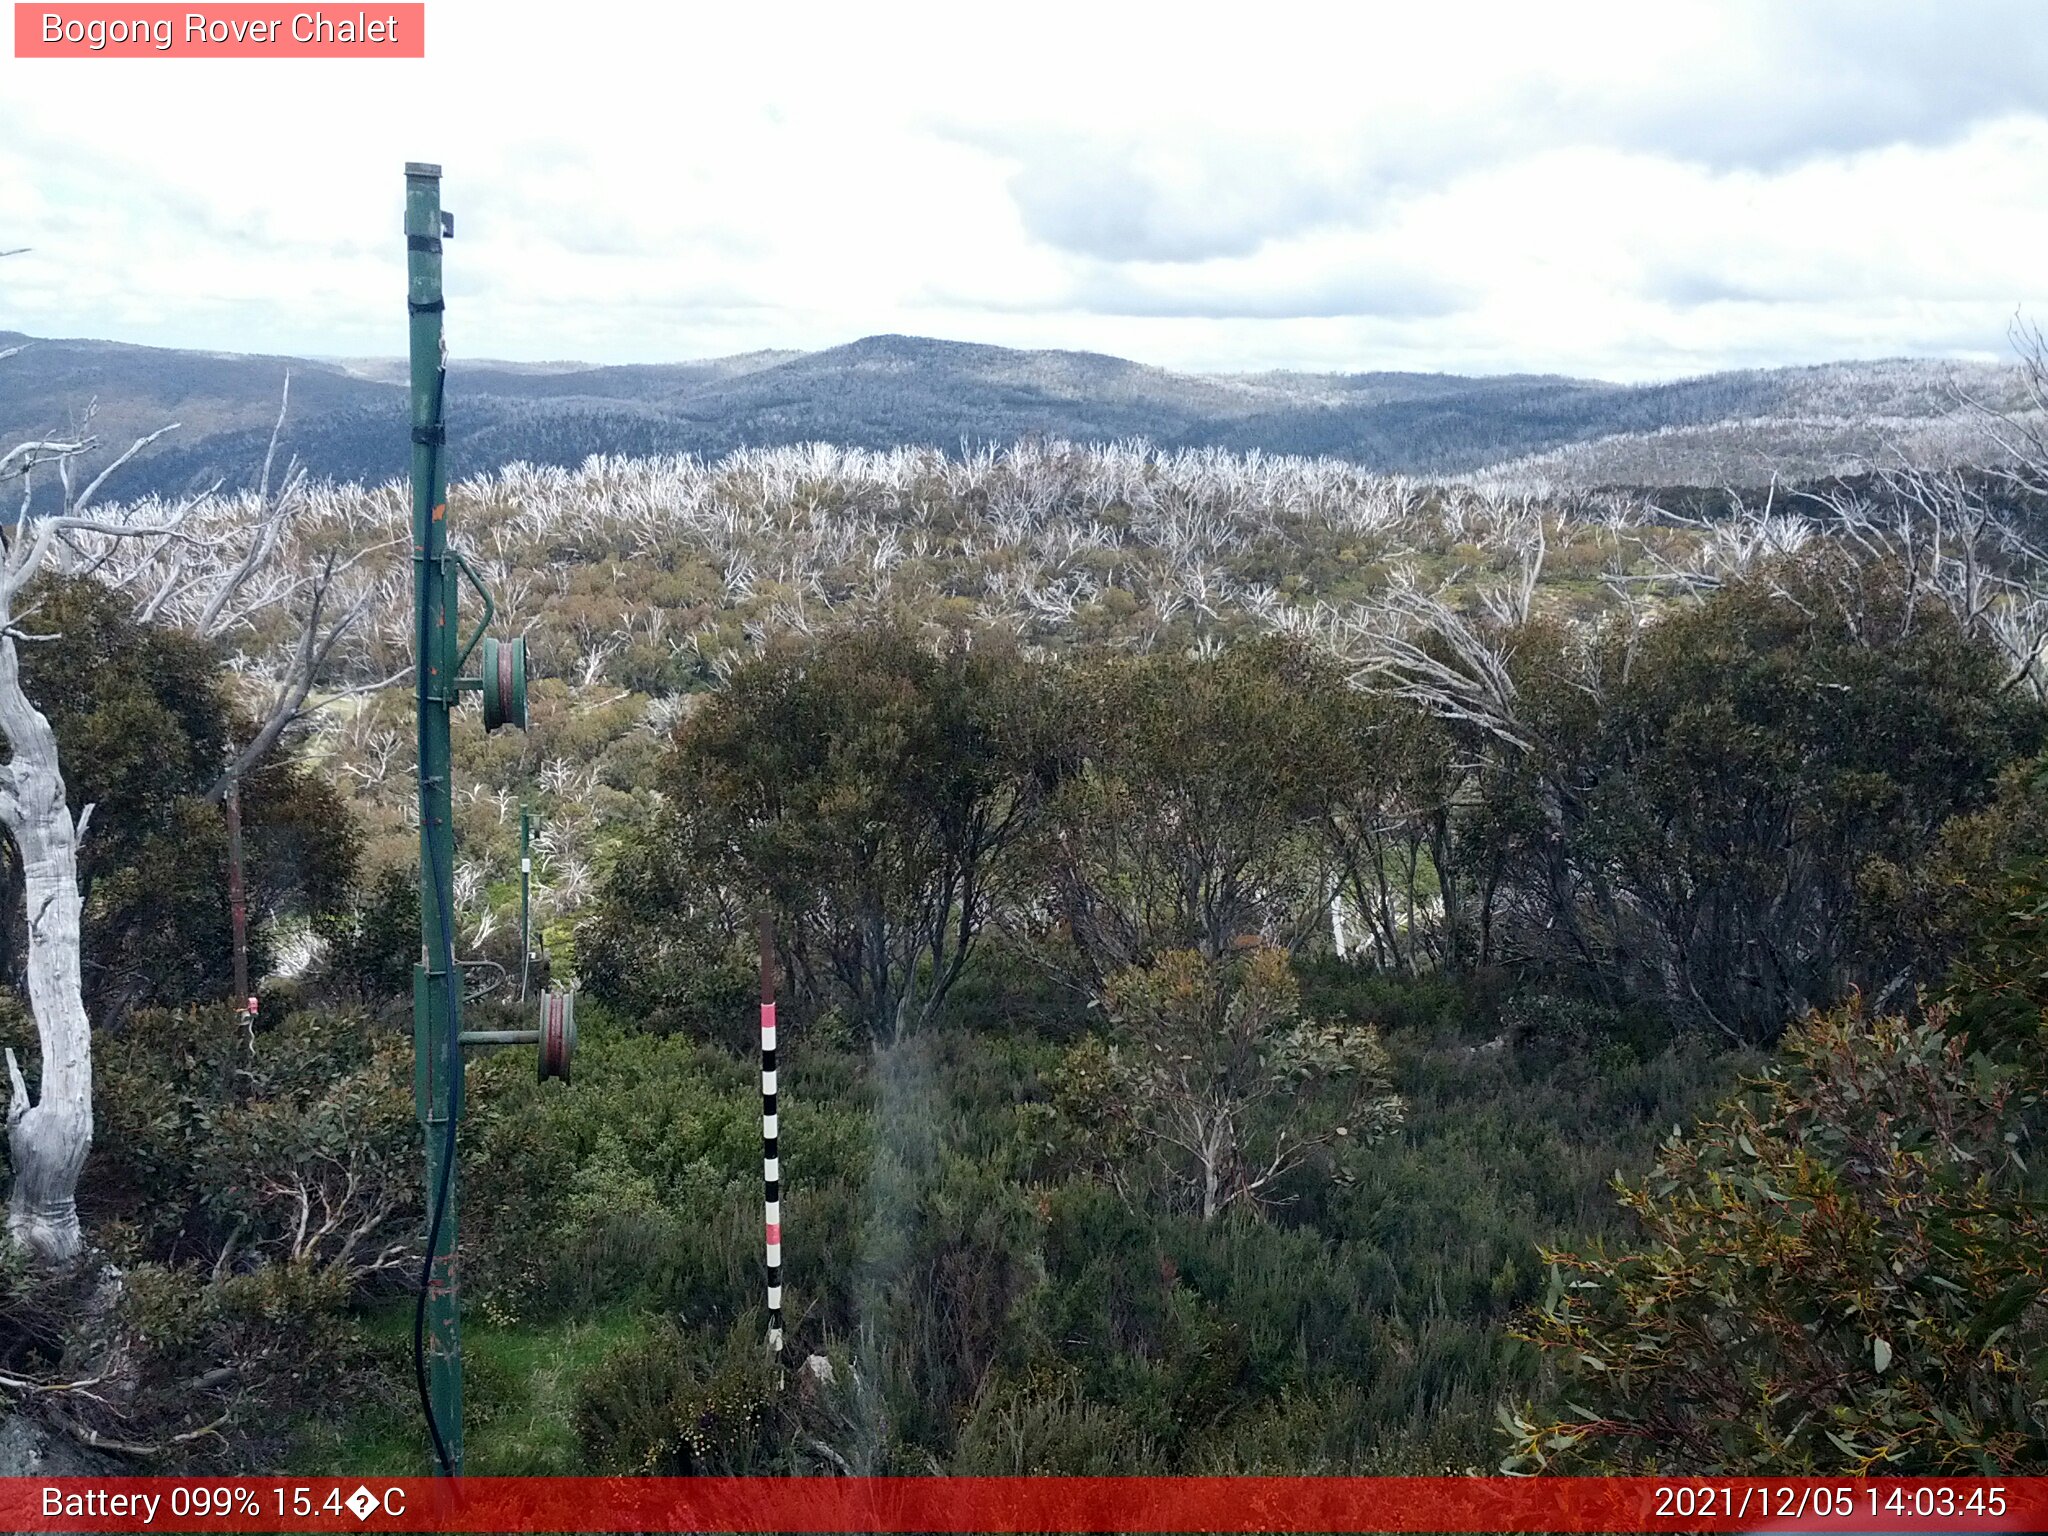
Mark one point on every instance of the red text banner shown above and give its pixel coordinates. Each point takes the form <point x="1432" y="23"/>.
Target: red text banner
<point x="227" y="31"/>
<point x="1003" y="1504"/>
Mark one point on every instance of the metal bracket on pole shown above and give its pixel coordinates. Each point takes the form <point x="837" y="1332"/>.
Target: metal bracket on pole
<point x="476" y="585"/>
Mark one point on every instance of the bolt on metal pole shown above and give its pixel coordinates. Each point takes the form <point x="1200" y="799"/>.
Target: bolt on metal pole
<point x="437" y="993"/>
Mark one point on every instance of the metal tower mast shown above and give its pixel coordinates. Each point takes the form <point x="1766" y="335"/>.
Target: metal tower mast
<point x="437" y="988"/>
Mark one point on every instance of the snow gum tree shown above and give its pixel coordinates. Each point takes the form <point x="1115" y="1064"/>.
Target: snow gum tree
<point x="231" y="558"/>
<point x="49" y="1134"/>
<point x="47" y="1138"/>
<point x="1230" y="1086"/>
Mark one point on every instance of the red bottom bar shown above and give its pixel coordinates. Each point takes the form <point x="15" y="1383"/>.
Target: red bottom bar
<point x="1007" y="1504"/>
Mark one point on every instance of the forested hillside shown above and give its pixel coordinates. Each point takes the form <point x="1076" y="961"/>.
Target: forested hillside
<point x="1237" y="914"/>
<point x="885" y="392"/>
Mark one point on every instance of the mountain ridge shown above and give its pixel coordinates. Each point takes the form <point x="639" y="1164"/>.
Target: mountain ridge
<point x="887" y="390"/>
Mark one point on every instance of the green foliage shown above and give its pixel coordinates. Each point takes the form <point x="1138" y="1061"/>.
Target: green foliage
<point x="1093" y="1127"/>
<point x="143" y="722"/>
<point x="194" y="1366"/>
<point x="374" y="943"/>
<point x="1980" y="912"/>
<point x="1704" y="793"/>
<point x="668" y="1405"/>
<point x="948" y="1259"/>
<point x="1842" y="1272"/>
<point x="986" y="1303"/>
<point x="240" y="1150"/>
<point x="1383" y="799"/>
<point x="1702" y="815"/>
<point x="272" y="1341"/>
<point x="662" y="950"/>
<point x="868" y="789"/>
<point x="252" y="1189"/>
<point x="1055" y="1433"/>
<point x="1190" y="826"/>
<point x="1231" y="1089"/>
<point x="641" y="1184"/>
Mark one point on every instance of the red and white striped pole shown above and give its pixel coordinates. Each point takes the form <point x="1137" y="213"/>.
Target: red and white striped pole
<point x="771" y="1159"/>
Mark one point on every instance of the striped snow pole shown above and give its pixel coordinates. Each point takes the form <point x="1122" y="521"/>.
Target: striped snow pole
<point x="771" y="1159"/>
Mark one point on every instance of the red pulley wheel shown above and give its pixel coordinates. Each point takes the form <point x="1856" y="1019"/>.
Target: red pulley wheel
<point x="557" y="1034"/>
<point x="504" y="683"/>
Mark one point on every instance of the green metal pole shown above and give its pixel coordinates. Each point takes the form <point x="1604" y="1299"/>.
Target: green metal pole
<point x="525" y="898"/>
<point x="437" y="994"/>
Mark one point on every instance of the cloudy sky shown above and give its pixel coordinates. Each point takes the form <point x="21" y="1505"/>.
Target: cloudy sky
<point x="1630" y="191"/>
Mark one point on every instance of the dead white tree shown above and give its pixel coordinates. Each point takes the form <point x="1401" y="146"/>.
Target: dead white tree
<point x="49" y="1135"/>
<point x="291" y="601"/>
<point x="258" y="557"/>
<point x="2020" y="432"/>
<point x="1951" y="541"/>
<point x="1422" y="648"/>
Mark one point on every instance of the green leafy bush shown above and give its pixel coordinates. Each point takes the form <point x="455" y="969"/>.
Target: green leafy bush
<point x="144" y="717"/>
<point x="1842" y="1272"/>
<point x="1224" y="1082"/>
<point x="253" y="1189"/>
<point x="237" y="1148"/>
<point x="676" y="1404"/>
<point x="662" y="950"/>
<point x="374" y="943"/>
<point x="640" y="1182"/>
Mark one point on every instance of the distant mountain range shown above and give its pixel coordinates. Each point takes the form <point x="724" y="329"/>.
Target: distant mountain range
<point x="347" y="417"/>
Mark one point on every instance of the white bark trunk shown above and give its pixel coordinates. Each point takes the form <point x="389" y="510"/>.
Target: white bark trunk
<point x="47" y="1140"/>
<point x="1212" y="1171"/>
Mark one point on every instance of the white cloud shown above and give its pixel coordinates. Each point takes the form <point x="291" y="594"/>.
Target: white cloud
<point x="1597" y="189"/>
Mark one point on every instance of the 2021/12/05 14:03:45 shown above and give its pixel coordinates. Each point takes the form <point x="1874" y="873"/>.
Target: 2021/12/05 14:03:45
<point x="1805" y="1500"/>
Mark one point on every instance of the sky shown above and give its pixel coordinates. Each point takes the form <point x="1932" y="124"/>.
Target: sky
<point x="1622" y="191"/>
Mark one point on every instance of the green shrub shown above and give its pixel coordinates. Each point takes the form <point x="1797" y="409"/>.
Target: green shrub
<point x="662" y="957"/>
<point x="677" y="1404"/>
<point x="640" y="1182"/>
<point x="373" y="945"/>
<point x="255" y="1188"/>
<point x="1060" y="1434"/>
<point x="1842" y="1272"/>
<point x="237" y="1148"/>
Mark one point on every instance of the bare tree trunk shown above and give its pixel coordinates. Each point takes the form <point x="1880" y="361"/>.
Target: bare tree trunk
<point x="1212" y="1171"/>
<point x="1453" y="949"/>
<point x="47" y="1140"/>
<point x="238" y="903"/>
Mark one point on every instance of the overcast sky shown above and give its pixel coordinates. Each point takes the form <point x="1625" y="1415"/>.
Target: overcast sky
<point x="1634" y="191"/>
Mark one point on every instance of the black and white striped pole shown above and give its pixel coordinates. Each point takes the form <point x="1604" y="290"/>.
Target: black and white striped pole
<point x="771" y="1157"/>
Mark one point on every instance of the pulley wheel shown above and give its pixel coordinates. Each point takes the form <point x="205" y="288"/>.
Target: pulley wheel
<point x="504" y="679"/>
<point x="557" y="1033"/>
